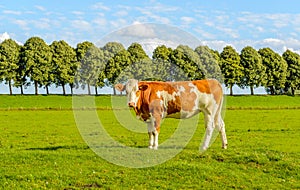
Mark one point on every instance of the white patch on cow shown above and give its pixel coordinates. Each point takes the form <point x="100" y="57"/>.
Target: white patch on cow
<point x="166" y="97"/>
<point x="180" y="89"/>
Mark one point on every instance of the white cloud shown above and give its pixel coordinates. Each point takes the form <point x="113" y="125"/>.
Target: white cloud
<point x="4" y="36"/>
<point x="43" y="23"/>
<point x="12" y="12"/>
<point x="41" y="8"/>
<point x="119" y="23"/>
<point x="277" y="45"/>
<point x="100" y="22"/>
<point x="81" y="25"/>
<point x="100" y="6"/>
<point x="233" y="33"/>
<point x="187" y="20"/>
<point x="121" y="13"/>
<point x="78" y="13"/>
<point x="138" y="30"/>
<point x="23" y="24"/>
<point x="204" y="34"/>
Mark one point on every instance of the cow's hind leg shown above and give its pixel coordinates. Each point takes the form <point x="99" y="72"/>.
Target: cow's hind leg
<point x="221" y="127"/>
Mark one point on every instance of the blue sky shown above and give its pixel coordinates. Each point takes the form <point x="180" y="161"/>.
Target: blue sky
<point x="215" y="23"/>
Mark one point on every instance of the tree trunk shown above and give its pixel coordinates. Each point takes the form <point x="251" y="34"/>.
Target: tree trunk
<point x="293" y="91"/>
<point x="22" y="92"/>
<point x="89" y="89"/>
<point x="47" y="89"/>
<point x="252" y="90"/>
<point x="10" y="88"/>
<point x="71" y="87"/>
<point x="272" y="91"/>
<point x="114" y="90"/>
<point x="231" y="91"/>
<point x="96" y="90"/>
<point x="36" y="88"/>
<point x="64" y="89"/>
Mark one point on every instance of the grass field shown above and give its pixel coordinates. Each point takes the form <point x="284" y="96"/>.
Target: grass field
<point x="41" y="148"/>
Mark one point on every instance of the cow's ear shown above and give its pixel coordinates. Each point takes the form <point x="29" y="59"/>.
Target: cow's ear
<point x="143" y="87"/>
<point x="120" y="87"/>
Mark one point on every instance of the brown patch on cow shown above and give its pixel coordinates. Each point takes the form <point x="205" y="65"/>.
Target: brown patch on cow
<point x="216" y="90"/>
<point x="203" y="86"/>
<point x="210" y="87"/>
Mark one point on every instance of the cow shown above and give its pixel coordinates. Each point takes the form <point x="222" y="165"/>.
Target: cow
<point x="153" y="100"/>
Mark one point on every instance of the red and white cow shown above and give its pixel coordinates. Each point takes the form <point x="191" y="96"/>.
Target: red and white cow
<point x="153" y="101"/>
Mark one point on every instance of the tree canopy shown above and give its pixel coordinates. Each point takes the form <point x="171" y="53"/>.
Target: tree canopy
<point x="88" y="66"/>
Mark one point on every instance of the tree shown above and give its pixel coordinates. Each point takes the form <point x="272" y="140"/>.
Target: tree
<point x="254" y="70"/>
<point x="163" y="68"/>
<point x="189" y="62"/>
<point x="9" y="61"/>
<point x="140" y="66"/>
<point x="92" y="66"/>
<point x="231" y="67"/>
<point x="276" y="70"/>
<point x="110" y="50"/>
<point x="293" y="72"/>
<point x="210" y="62"/>
<point x="37" y="55"/>
<point x="64" y="64"/>
<point x="115" y="66"/>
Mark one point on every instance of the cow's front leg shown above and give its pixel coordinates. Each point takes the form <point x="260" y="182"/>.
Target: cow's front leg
<point x="156" y="112"/>
<point x="209" y="125"/>
<point x="153" y="136"/>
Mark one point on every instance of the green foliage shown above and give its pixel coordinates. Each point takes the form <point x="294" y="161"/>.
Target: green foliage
<point x="276" y="70"/>
<point x="9" y="61"/>
<point x="293" y="71"/>
<point x="164" y="70"/>
<point x="116" y="66"/>
<point x="111" y="49"/>
<point x="37" y="57"/>
<point x="231" y="67"/>
<point x="65" y="64"/>
<point x="82" y="48"/>
<point x="189" y="62"/>
<point x="58" y="64"/>
<point x="92" y="66"/>
<point x="254" y="70"/>
<point x="140" y="66"/>
<point x="210" y="62"/>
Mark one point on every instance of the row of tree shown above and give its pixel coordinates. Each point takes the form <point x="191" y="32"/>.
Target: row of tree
<point x="85" y="66"/>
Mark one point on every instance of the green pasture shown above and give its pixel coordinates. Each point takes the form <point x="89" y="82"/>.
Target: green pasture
<point x="41" y="147"/>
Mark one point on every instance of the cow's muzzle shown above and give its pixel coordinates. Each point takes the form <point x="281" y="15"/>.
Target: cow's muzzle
<point x="131" y="104"/>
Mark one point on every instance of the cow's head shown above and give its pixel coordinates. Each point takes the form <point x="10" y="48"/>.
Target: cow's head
<point x="132" y="90"/>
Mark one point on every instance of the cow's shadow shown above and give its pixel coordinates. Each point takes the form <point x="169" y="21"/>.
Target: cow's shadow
<point x="53" y="148"/>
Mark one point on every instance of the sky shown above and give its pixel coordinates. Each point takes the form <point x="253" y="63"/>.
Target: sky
<point x="216" y="23"/>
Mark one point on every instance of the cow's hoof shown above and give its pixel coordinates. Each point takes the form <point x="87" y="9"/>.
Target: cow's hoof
<point x="204" y="148"/>
<point x="224" y="147"/>
<point x="153" y="147"/>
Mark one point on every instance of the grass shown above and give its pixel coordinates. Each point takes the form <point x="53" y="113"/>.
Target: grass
<point x="43" y="149"/>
